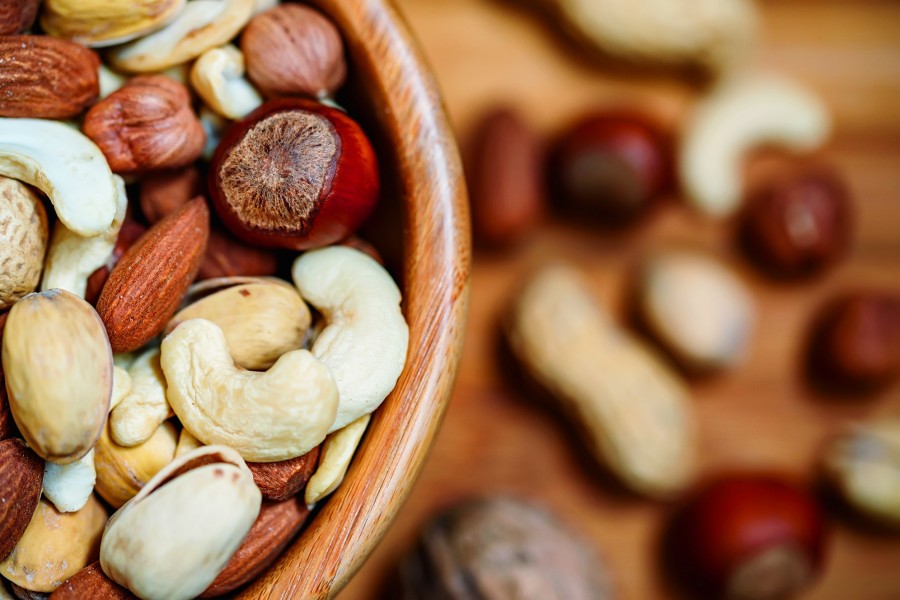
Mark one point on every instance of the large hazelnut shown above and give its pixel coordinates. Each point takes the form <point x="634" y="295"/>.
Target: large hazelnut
<point x="146" y="125"/>
<point x="294" y="174"/>
<point x="294" y="50"/>
<point x="17" y="15"/>
<point x="799" y="225"/>
<point x="748" y="537"/>
<point x="505" y="179"/>
<point x="611" y="166"/>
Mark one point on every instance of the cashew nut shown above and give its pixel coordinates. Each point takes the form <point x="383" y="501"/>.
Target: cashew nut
<point x="121" y="384"/>
<point x="741" y="114"/>
<point x="201" y="25"/>
<point x="64" y="164"/>
<point x="365" y="340"/>
<point x="73" y="258"/>
<point x="279" y="414"/>
<point x="218" y="77"/>
<point x="186" y="443"/>
<point x="337" y="452"/>
<point x="142" y="411"/>
<point x="70" y="486"/>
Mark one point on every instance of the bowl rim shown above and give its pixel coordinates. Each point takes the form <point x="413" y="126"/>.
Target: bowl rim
<point x="436" y="272"/>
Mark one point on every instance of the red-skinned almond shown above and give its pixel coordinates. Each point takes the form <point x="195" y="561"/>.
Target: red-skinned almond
<point x="285" y="478"/>
<point x="21" y="477"/>
<point x="91" y="582"/>
<point x="145" y="288"/>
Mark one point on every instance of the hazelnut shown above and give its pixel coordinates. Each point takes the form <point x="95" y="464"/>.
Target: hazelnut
<point x="294" y="50"/>
<point x="611" y="166"/>
<point x="146" y="125"/>
<point x="505" y="180"/>
<point x="17" y="15"/>
<point x="855" y="341"/>
<point x="798" y="226"/>
<point x="163" y="192"/>
<point x="294" y="174"/>
<point x="748" y="537"/>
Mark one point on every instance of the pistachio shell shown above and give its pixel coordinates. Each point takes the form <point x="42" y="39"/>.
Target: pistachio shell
<point x="104" y="23"/>
<point x="122" y="471"/>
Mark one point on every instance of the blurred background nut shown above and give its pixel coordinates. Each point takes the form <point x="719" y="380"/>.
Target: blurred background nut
<point x="24" y="223"/>
<point x="863" y="464"/>
<point x="294" y="50"/>
<point x="46" y="78"/>
<point x="611" y="166"/>
<point x="505" y="179"/>
<point x="162" y="192"/>
<point x="103" y="23"/>
<point x="146" y="125"/>
<point x="696" y="308"/>
<point x="17" y="15"/>
<point x="798" y="225"/>
<point x="21" y="473"/>
<point x="123" y="471"/>
<point x="500" y="548"/>
<point x="143" y="408"/>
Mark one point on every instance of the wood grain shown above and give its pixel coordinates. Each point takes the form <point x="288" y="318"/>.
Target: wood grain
<point x="494" y="440"/>
<point x="422" y="164"/>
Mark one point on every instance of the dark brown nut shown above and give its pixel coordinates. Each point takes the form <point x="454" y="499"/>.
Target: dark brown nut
<point x="354" y="241"/>
<point x="21" y="476"/>
<point x="294" y="50"/>
<point x="285" y="478"/>
<point x="130" y="232"/>
<point x="611" y="166"/>
<point x="855" y="341"/>
<point x="17" y="15"/>
<point x="798" y="226"/>
<point x="91" y="582"/>
<point x="46" y="78"/>
<point x="227" y="256"/>
<point x="146" y="125"/>
<point x="495" y="549"/>
<point x="505" y="179"/>
<point x="163" y="192"/>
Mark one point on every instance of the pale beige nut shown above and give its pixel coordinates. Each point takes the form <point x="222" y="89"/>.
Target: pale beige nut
<point x="201" y="25"/>
<point x="58" y="367"/>
<point x="104" y="23"/>
<point x="140" y="413"/>
<point x="218" y="78"/>
<point x="69" y="487"/>
<point x="264" y="5"/>
<point x="55" y="546"/>
<point x="863" y="463"/>
<point x="186" y="443"/>
<point x="110" y="81"/>
<point x="337" y="453"/>
<point x="123" y="471"/>
<point x="260" y="320"/>
<point x="365" y="338"/>
<point x="24" y="242"/>
<point x="632" y="410"/>
<point x="205" y="501"/>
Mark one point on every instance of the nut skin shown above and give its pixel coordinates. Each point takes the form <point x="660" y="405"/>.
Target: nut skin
<point x="145" y="288"/>
<point x="611" y="166"/>
<point x="748" y="536"/>
<point x="505" y="179"/>
<point x="91" y="582"/>
<point x="17" y="15"/>
<point x="46" y="78"/>
<point x="294" y="50"/>
<point x="130" y="232"/>
<point x="798" y="226"/>
<point x="21" y="476"/>
<point x="325" y="195"/>
<point x="163" y="192"/>
<point x="146" y="125"/>
<point x="855" y="342"/>
<point x="283" y="479"/>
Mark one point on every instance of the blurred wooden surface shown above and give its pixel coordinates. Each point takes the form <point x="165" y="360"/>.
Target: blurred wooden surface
<point x="760" y="416"/>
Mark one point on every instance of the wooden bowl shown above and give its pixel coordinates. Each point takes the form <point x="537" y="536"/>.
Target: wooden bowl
<point x="421" y="167"/>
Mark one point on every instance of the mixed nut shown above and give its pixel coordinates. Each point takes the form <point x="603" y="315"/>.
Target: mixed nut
<point x="180" y="387"/>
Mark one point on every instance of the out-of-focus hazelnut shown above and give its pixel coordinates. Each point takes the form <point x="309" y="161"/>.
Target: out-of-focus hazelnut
<point x="798" y="226"/>
<point x="164" y="191"/>
<point x="17" y="15"/>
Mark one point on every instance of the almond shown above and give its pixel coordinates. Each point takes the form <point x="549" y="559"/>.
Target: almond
<point x="283" y="479"/>
<point x="145" y="289"/>
<point x="46" y="78"/>
<point x="275" y="527"/>
<point x="21" y="474"/>
<point x="91" y="582"/>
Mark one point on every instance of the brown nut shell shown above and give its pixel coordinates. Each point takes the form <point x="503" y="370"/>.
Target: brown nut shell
<point x="21" y="476"/>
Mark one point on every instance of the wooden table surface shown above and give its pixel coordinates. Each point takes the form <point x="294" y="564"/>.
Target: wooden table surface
<point x="759" y="416"/>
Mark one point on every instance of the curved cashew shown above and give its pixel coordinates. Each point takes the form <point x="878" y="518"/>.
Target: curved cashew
<point x="218" y="77"/>
<point x="69" y="487"/>
<point x="279" y="414"/>
<point x="143" y="410"/>
<point x="337" y="452"/>
<point x="739" y="116"/>
<point x="201" y="25"/>
<point x="64" y="164"/>
<point x="365" y="340"/>
<point x="121" y="384"/>
<point x="73" y="258"/>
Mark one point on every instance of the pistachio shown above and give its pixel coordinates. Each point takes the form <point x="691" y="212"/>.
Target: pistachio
<point x="123" y="471"/>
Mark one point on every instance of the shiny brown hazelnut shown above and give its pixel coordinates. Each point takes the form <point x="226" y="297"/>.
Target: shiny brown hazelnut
<point x="17" y="15"/>
<point x="147" y="125"/>
<point x="294" y="50"/>
<point x="611" y="166"/>
<point x="799" y="225"/>
<point x="506" y="185"/>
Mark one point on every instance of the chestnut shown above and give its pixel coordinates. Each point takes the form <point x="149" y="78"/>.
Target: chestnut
<point x="748" y="537"/>
<point x="799" y="225"/>
<point x="294" y="174"/>
<point x="611" y="166"/>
